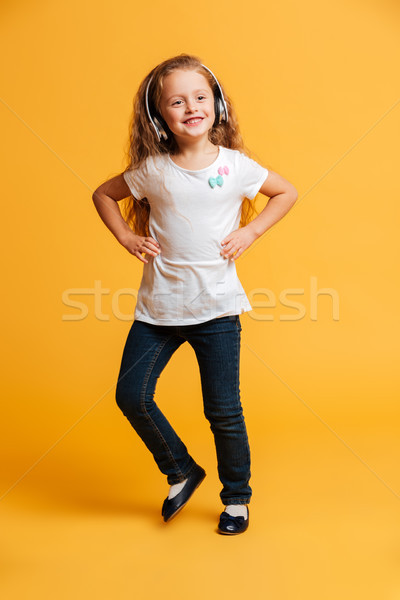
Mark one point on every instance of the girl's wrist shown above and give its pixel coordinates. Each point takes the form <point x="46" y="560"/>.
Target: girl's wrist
<point x="124" y="235"/>
<point x="252" y="228"/>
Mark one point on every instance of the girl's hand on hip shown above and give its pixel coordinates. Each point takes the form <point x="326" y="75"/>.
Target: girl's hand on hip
<point x="137" y="245"/>
<point x="238" y="241"/>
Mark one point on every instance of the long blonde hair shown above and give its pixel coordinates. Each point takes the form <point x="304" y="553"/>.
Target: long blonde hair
<point x="143" y="141"/>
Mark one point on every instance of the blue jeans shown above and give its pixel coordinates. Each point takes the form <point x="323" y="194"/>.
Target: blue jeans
<point x="216" y="343"/>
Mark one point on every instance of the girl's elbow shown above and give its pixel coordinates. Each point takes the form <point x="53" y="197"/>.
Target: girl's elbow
<point x="293" y="193"/>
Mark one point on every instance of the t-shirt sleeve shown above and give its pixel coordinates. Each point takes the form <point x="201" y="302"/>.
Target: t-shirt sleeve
<point x="251" y="175"/>
<point x="135" y="180"/>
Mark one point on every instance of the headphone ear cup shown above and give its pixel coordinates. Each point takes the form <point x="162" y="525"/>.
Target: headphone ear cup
<point x="161" y="125"/>
<point x="217" y="110"/>
<point x="221" y="110"/>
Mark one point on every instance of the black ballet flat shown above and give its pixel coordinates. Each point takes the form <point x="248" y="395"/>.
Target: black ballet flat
<point x="229" y="525"/>
<point x="172" y="506"/>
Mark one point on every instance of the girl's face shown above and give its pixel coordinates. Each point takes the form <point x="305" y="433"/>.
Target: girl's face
<point x="187" y="104"/>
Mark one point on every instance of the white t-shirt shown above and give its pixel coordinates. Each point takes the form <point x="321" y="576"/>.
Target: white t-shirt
<point x="190" y="282"/>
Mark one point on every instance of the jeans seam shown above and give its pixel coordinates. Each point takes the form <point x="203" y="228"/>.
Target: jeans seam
<point x="143" y="399"/>
<point x="238" y="392"/>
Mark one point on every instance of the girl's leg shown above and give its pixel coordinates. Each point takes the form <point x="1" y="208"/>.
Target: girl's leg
<point x="148" y="349"/>
<point x="217" y="347"/>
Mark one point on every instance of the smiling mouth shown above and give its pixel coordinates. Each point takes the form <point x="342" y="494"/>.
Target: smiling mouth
<point x="193" y="121"/>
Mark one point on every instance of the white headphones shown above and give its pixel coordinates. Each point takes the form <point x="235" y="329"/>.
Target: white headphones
<point x="160" y="126"/>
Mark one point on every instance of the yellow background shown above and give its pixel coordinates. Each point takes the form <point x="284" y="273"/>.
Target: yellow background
<point x="317" y="93"/>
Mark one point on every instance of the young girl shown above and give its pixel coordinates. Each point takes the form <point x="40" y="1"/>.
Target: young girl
<point x="189" y="187"/>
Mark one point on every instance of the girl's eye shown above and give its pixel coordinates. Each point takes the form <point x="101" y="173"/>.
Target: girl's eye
<point x="176" y="101"/>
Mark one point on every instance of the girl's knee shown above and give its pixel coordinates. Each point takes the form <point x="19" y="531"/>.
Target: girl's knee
<point x="127" y="399"/>
<point x="223" y="419"/>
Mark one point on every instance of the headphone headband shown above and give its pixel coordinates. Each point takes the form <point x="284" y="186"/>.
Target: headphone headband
<point x="220" y="106"/>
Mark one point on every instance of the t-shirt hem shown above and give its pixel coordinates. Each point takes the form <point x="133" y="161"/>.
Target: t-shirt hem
<point x="147" y="319"/>
<point x="134" y="191"/>
<point x="258" y="185"/>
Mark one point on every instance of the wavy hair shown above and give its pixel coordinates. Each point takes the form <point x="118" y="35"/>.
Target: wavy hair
<point x="143" y="141"/>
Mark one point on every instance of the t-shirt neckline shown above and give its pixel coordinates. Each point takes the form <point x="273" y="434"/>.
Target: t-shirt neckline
<point x="197" y="170"/>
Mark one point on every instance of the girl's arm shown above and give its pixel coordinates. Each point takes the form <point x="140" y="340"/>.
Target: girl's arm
<point x="282" y="195"/>
<point x="105" y="199"/>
